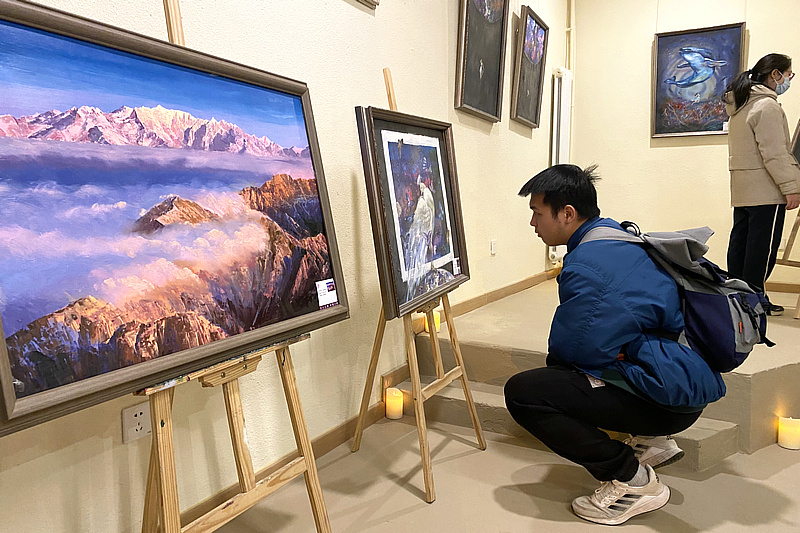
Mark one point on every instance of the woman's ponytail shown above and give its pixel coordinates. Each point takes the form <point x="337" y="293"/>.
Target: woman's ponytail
<point x="742" y="83"/>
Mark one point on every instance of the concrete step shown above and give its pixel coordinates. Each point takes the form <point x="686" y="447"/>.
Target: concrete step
<point x="759" y="391"/>
<point x="706" y="443"/>
<point x="486" y="362"/>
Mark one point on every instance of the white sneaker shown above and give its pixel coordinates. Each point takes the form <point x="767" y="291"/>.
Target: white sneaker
<point x="655" y="451"/>
<point x="615" y="502"/>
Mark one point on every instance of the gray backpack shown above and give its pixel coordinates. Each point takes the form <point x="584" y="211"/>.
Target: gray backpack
<point x="724" y="317"/>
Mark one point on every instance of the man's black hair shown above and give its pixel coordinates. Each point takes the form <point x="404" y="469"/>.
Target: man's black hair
<point x="566" y="185"/>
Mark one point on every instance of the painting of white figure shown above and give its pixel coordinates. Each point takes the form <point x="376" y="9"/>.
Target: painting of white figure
<point x="421" y="214"/>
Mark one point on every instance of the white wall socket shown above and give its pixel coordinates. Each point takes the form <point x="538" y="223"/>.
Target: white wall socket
<point x="493" y="247"/>
<point x="136" y="422"/>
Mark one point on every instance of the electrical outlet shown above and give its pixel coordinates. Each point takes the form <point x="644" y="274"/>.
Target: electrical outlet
<point x="136" y="422"/>
<point x="493" y="247"/>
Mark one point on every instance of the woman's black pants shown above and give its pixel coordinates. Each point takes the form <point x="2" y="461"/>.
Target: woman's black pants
<point x="561" y="408"/>
<point x="755" y="238"/>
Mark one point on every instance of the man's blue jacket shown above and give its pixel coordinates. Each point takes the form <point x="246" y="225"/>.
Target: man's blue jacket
<point x="610" y="291"/>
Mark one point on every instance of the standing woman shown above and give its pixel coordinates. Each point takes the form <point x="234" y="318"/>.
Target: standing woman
<point x="765" y="177"/>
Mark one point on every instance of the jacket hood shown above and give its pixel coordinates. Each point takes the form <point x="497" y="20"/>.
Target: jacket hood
<point x="757" y="92"/>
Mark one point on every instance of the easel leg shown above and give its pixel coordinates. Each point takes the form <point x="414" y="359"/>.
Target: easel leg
<point x="303" y="441"/>
<point x="152" y="501"/>
<point x="162" y="473"/>
<point x="419" y="410"/>
<point x="373" y="366"/>
<point x="473" y="412"/>
<point x="435" y="349"/>
<point x="241" y="450"/>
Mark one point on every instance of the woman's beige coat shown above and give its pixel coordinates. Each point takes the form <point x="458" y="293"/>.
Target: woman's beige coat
<point x="763" y="169"/>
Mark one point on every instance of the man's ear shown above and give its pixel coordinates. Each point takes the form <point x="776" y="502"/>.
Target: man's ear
<point x="570" y="214"/>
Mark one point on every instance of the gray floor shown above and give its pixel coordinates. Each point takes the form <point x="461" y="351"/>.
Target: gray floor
<point x="512" y="487"/>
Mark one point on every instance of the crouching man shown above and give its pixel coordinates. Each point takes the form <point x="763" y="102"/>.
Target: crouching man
<point x="604" y="367"/>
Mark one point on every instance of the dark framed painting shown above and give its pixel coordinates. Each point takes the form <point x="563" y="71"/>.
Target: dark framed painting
<point x="482" y="31"/>
<point x="415" y="207"/>
<point x="691" y="69"/>
<point x="531" y="53"/>
<point x="796" y="142"/>
<point x="162" y="210"/>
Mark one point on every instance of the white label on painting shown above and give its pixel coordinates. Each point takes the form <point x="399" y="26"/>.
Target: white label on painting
<point x="456" y="266"/>
<point x="326" y="293"/>
<point x="725" y="126"/>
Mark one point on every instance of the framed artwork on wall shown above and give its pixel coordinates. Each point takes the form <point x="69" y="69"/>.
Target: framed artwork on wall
<point x="482" y="31"/>
<point x="163" y="210"/>
<point x="415" y="208"/>
<point x="691" y="69"/>
<point x="796" y="142"/>
<point x="531" y="52"/>
<point x="370" y="3"/>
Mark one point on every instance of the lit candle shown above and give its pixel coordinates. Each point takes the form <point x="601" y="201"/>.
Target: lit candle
<point x="394" y="403"/>
<point x="436" y="320"/>
<point x="789" y="433"/>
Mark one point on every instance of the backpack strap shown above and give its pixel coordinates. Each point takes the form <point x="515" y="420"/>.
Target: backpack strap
<point x="605" y="233"/>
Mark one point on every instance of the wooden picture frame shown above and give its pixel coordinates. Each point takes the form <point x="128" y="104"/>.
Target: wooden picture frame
<point x="415" y="207"/>
<point x="480" y="66"/>
<point x="370" y="3"/>
<point x="691" y="69"/>
<point x="529" y="68"/>
<point x="226" y="232"/>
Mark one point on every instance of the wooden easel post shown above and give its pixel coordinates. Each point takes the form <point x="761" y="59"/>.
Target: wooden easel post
<point x="443" y="379"/>
<point x="162" y="510"/>
<point x="786" y="260"/>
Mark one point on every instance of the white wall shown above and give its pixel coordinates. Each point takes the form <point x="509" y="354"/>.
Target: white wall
<point x="74" y="474"/>
<point x="664" y="183"/>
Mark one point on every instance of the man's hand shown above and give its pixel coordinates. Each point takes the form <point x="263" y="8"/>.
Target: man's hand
<point x="792" y="201"/>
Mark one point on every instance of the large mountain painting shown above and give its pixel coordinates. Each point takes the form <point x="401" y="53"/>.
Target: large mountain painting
<point x="146" y="209"/>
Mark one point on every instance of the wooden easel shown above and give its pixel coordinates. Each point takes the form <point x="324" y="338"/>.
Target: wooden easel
<point x="443" y="379"/>
<point x="785" y="258"/>
<point x="161" y="508"/>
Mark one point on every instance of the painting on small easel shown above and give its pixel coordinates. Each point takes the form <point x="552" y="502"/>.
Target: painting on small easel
<point x="409" y="166"/>
<point x="163" y="210"/>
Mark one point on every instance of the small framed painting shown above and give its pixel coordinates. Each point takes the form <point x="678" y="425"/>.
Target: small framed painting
<point x="482" y="32"/>
<point x="691" y="69"/>
<point x="410" y="170"/>
<point x="531" y="52"/>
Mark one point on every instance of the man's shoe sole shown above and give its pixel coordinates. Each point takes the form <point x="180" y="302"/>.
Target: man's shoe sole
<point x="668" y="461"/>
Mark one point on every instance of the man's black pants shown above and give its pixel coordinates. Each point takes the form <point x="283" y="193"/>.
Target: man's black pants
<point x="755" y="238"/>
<point x="560" y="407"/>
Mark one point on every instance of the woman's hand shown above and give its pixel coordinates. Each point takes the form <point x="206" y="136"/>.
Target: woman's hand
<point x="792" y="201"/>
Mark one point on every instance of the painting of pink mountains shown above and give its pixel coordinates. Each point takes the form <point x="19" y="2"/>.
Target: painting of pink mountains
<point x="145" y="212"/>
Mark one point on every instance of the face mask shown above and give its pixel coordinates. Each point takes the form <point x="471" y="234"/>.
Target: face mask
<point x="783" y="87"/>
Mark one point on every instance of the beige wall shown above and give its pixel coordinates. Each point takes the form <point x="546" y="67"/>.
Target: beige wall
<point x="74" y="474"/>
<point x="665" y="183"/>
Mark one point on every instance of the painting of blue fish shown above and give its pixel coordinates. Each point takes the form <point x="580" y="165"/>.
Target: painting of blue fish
<point x="692" y="69"/>
<point x="154" y="214"/>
